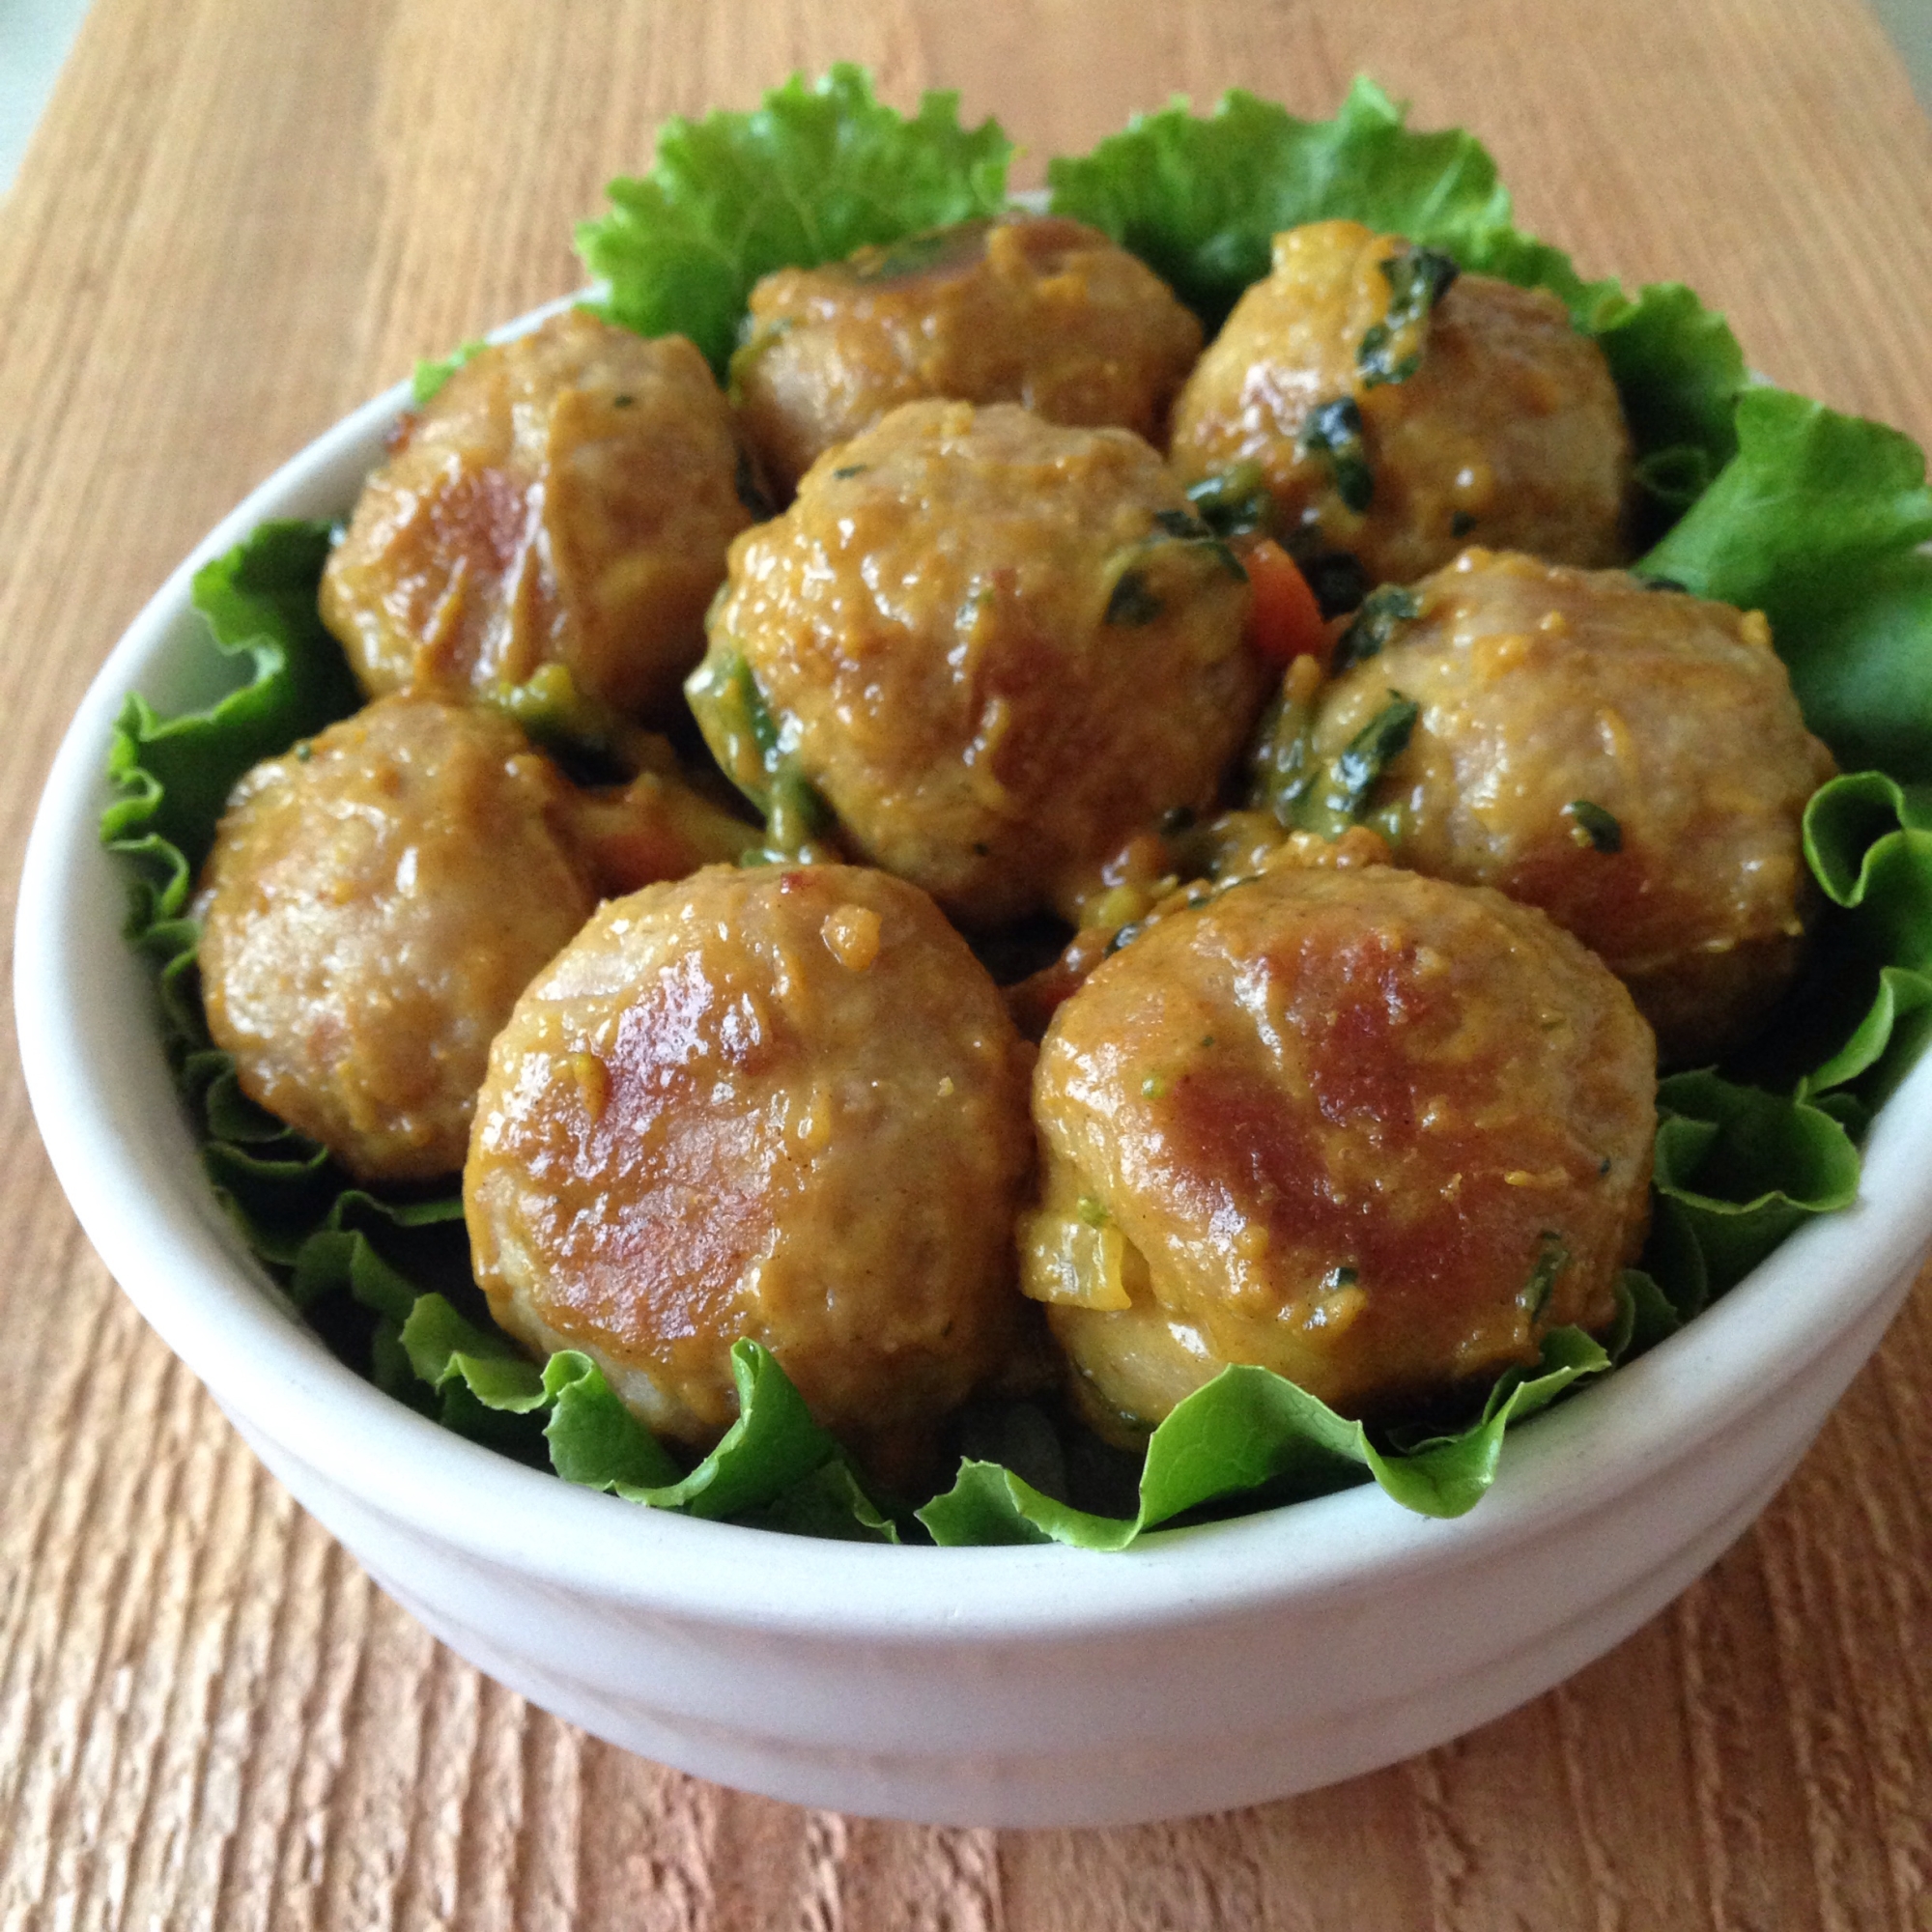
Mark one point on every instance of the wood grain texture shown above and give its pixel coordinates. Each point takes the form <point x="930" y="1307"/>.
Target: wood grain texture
<point x="239" y="218"/>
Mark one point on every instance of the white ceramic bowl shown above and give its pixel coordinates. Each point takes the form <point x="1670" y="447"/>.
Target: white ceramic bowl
<point x="1204" y="1668"/>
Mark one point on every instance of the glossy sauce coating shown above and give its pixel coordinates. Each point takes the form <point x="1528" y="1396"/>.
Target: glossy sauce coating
<point x="1030" y="309"/>
<point x="566" y="497"/>
<point x="1507" y="431"/>
<point x="1330" y="1124"/>
<point x="783" y="1103"/>
<point x="981" y="641"/>
<point x="1554" y="700"/>
<point x="374" y="903"/>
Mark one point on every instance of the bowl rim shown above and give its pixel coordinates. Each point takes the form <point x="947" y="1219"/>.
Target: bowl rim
<point x="152" y="1218"/>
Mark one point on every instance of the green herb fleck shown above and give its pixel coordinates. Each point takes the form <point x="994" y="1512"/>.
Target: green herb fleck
<point x="1391" y="351"/>
<point x="1234" y="502"/>
<point x="304" y="751"/>
<point x="1340" y="1275"/>
<point x="849" y="471"/>
<point x="1383" y="613"/>
<point x="1131" y="602"/>
<point x="1334" y="430"/>
<point x="1591" y="825"/>
<point x="1155" y="1087"/>
<point x="1094" y="1212"/>
<point x="1552" y="1256"/>
<point x="1335" y="798"/>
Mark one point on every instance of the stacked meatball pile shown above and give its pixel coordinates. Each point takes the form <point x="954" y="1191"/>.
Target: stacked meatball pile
<point x="1362" y="1090"/>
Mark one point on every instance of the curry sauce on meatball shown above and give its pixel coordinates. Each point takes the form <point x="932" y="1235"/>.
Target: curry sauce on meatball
<point x="1396" y="410"/>
<point x="1371" y="1131"/>
<point x="565" y="497"/>
<point x="1022" y="308"/>
<point x="783" y="1103"/>
<point x="1627" y="758"/>
<point x="375" y="900"/>
<point x="993" y="646"/>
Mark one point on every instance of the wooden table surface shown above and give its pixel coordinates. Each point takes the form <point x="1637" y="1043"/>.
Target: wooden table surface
<point x="241" y="218"/>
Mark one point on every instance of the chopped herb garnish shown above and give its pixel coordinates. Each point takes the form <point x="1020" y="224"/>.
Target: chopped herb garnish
<point x="1155" y="1087"/>
<point x="1552" y="1256"/>
<point x="1181" y="523"/>
<point x="1336" y="797"/>
<point x="622" y="402"/>
<point x="1234" y="501"/>
<point x="1131" y="601"/>
<point x="1094" y="1212"/>
<point x="1391" y="351"/>
<point x="1340" y="1275"/>
<point x="1591" y="825"/>
<point x="1184" y="527"/>
<point x="1283" y="765"/>
<point x="1371" y="752"/>
<point x="1383" y="613"/>
<point x="304" y="751"/>
<point x="850" y="469"/>
<point x="1460" y="523"/>
<point x="1334" y="430"/>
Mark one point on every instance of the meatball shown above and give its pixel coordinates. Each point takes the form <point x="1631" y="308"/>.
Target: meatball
<point x="1373" y="1131"/>
<point x="992" y="645"/>
<point x="1395" y="409"/>
<point x="374" y="903"/>
<point x="1629" y="758"/>
<point x="783" y="1103"/>
<point x="1032" y="309"/>
<point x="564" y="499"/>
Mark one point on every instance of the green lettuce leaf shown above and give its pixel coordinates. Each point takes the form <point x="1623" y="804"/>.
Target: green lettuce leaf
<point x="1253" y="1439"/>
<point x="1200" y="199"/>
<point x="1816" y="521"/>
<point x="1869" y="841"/>
<point x="433" y="372"/>
<point x="1742" y="1167"/>
<point x="813" y="173"/>
<point x="174" y="774"/>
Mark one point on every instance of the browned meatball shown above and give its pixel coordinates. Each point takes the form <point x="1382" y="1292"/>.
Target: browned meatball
<point x="783" y="1103"/>
<point x="1395" y="413"/>
<point x="1629" y="759"/>
<point x="566" y="497"/>
<point x="1373" y="1131"/>
<point x="1032" y="309"/>
<point x="377" y="900"/>
<point x="995" y="646"/>
<point x="374" y="902"/>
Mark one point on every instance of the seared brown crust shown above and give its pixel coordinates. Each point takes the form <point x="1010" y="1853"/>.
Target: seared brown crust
<point x="1336" y="1118"/>
<point x="566" y="497"/>
<point x="778" y="1103"/>
<point x="374" y="902"/>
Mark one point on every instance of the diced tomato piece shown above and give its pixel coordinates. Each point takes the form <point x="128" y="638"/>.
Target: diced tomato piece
<point x="1284" y="621"/>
